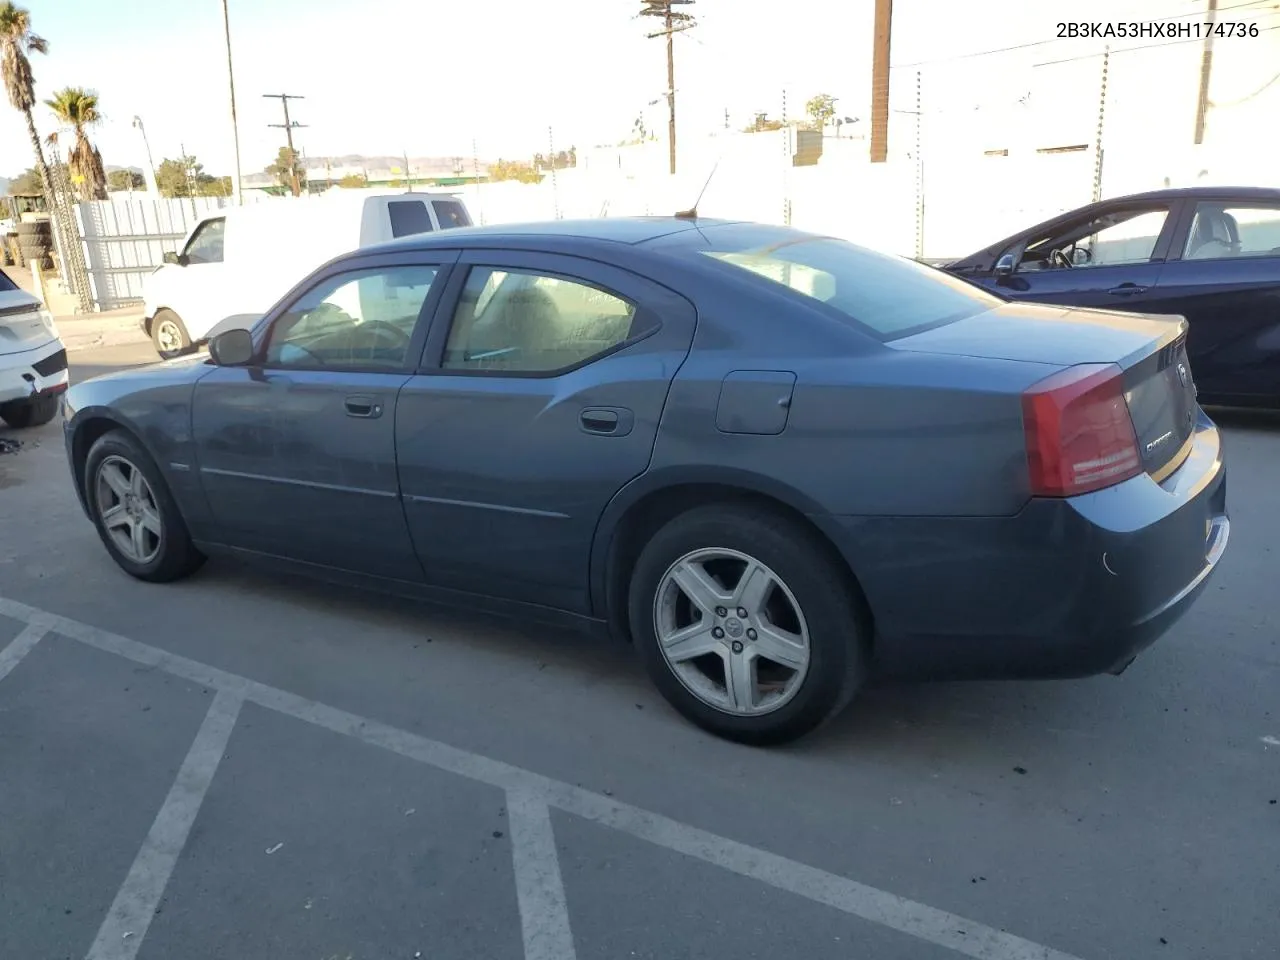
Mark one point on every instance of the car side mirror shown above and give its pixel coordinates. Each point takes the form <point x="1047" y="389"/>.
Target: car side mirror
<point x="1004" y="268"/>
<point x="233" y="348"/>
<point x="175" y="258"/>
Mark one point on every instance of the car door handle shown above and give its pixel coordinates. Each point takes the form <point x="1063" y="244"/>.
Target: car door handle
<point x="1126" y="290"/>
<point x="599" y="421"/>
<point x="366" y="407"/>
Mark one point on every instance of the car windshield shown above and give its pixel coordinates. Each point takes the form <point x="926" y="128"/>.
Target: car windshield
<point x="888" y="296"/>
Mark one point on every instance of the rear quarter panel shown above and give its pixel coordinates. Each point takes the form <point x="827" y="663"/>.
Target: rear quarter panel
<point x="871" y="431"/>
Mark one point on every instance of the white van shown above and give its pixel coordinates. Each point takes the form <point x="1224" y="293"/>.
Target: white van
<point x="239" y="262"/>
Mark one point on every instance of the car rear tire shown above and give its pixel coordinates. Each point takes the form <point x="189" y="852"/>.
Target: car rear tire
<point x="136" y="516"/>
<point x="747" y="626"/>
<point x="35" y="412"/>
<point x="169" y="335"/>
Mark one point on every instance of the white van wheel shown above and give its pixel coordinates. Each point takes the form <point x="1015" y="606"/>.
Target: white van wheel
<point x="169" y="335"/>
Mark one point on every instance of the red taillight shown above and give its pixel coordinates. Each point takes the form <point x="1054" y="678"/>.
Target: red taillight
<point x="1080" y="436"/>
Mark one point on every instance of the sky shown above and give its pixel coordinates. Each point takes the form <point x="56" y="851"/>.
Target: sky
<point x="430" y="78"/>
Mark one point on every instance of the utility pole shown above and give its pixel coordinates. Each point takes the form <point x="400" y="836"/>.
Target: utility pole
<point x="880" y="82"/>
<point x="289" y="126"/>
<point x="1206" y="68"/>
<point x="674" y="21"/>
<point x="231" y="79"/>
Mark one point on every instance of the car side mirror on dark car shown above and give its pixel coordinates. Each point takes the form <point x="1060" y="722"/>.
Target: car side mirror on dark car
<point x="1004" y="267"/>
<point x="233" y="348"/>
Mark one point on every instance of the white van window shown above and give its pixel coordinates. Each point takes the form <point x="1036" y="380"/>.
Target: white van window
<point x="206" y="244"/>
<point x="408" y="217"/>
<point x="450" y="213"/>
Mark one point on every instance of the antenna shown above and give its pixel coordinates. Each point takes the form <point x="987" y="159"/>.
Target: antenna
<point x="692" y="212"/>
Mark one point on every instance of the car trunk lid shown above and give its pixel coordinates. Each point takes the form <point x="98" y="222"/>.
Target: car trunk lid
<point x="1149" y="350"/>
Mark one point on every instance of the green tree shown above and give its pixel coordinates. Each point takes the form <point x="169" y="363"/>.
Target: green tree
<point x="821" y="109"/>
<point x="77" y="108"/>
<point x="353" y="181"/>
<point x="175" y="178"/>
<point x="16" y="42"/>
<point x="514" y="170"/>
<point x="26" y="183"/>
<point x="125" y="180"/>
<point x="287" y="166"/>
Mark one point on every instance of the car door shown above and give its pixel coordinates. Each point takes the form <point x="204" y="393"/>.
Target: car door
<point x="1224" y="277"/>
<point x="199" y="288"/>
<point x="540" y="395"/>
<point x="296" y="451"/>
<point x="1110" y="258"/>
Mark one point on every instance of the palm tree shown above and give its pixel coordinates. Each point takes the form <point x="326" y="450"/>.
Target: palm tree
<point x="16" y="41"/>
<point x="78" y="108"/>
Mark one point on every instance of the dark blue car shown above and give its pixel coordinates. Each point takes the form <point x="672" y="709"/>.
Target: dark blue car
<point x="777" y="463"/>
<point x="1210" y="254"/>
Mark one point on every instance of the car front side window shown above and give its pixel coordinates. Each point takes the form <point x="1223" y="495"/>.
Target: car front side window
<point x="363" y="320"/>
<point x="206" y="245"/>
<point x="1113" y="239"/>
<point x="519" y="321"/>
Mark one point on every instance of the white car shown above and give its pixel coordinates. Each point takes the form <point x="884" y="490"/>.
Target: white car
<point x="33" y="359"/>
<point x="236" y="263"/>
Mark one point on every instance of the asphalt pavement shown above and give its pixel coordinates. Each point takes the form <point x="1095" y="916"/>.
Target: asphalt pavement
<point x="253" y="766"/>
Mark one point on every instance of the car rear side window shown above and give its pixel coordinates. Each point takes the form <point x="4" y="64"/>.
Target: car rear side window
<point x="6" y="283"/>
<point x="1223" y="231"/>
<point x="889" y="296"/>
<point x="450" y="213"/>
<point x="408" y="217"/>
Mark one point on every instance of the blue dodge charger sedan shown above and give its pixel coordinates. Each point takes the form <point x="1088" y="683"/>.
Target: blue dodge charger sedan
<point x="776" y="463"/>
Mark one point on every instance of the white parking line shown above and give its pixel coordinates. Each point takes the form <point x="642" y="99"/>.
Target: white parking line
<point x="121" y="933"/>
<point x="19" y="647"/>
<point x="544" y="916"/>
<point x="868" y="903"/>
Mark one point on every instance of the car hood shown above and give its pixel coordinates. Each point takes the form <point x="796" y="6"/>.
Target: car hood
<point x="1043" y="333"/>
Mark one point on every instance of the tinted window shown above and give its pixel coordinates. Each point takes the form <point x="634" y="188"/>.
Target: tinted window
<point x="450" y="213"/>
<point x="408" y="217"/>
<point x="353" y="321"/>
<point x="524" y="322"/>
<point x="1220" y="231"/>
<point x="206" y="244"/>
<point x="886" y="294"/>
<point x="6" y="283"/>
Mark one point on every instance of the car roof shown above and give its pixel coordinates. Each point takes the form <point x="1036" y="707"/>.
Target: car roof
<point x="559" y="234"/>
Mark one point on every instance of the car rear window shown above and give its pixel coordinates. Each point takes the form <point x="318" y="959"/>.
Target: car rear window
<point x="888" y="296"/>
<point x="408" y="217"/>
<point x="451" y="213"/>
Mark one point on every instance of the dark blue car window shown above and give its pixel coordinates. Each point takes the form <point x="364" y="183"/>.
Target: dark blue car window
<point x="888" y="295"/>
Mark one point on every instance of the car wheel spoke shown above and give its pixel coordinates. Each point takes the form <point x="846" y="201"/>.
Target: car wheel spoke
<point x="114" y="517"/>
<point x="740" y="682"/>
<point x="693" y="641"/>
<point x="696" y="584"/>
<point x="753" y="589"/>
<point x="115" y="479"/>
<point x="150" y="521"/>
<point x="779" y="646"/>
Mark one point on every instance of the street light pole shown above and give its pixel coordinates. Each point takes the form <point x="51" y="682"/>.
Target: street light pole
<point x="231" y="79"/>
<point x="152" y="186"/>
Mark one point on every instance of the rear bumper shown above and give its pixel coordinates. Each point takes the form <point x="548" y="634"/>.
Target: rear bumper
<point x="1067" y="588"/>
<point x="33" y="372"/>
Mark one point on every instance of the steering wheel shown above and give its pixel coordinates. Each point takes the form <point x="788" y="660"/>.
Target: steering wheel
<point x="366" y="336"/>
<point x="1060" y="259"/>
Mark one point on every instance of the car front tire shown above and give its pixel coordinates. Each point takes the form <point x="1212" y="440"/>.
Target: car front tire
<point x="169" y="335"/>
<point x="34" y="412"/>
<point x="747" y="625"/>
<point x="135" y="514"/>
